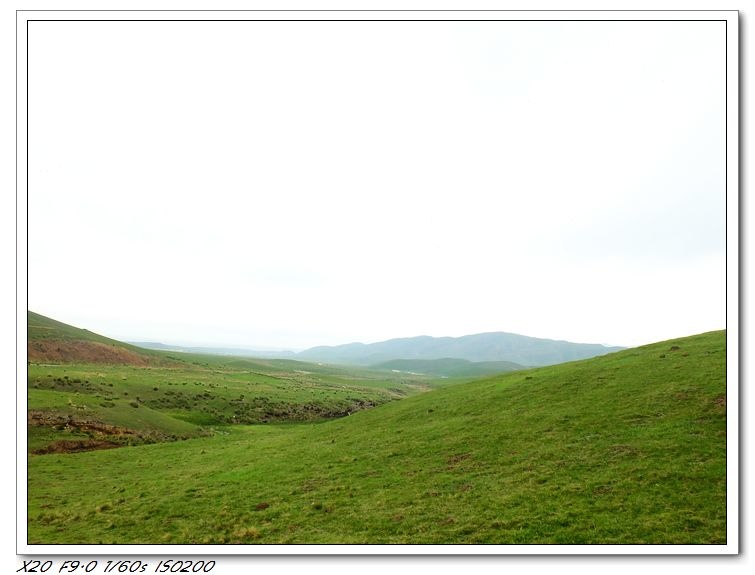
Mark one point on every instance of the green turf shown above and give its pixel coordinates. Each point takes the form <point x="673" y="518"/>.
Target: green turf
<point x="181" y="401"/>
<point x="625" y="448"/>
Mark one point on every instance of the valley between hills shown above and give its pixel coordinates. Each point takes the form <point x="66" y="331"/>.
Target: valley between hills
<point x="399" y="442"/>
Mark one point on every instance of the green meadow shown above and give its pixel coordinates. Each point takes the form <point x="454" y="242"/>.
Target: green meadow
<point x="627" y="448"/>
<point x="86" y="391"/>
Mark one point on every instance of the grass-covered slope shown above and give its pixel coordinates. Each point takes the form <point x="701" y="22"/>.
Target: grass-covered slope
<point x="42" y="327"/>
<point x="625" y="448"/>
<point x="52" y="341"/>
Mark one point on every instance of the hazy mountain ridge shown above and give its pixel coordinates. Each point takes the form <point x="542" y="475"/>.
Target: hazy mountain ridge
<point x="481" y="347"/>
<point x="235" y="351"/>
<point x="492" y="346"/>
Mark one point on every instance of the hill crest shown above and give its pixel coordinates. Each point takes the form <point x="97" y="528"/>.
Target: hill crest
<point x="489" y="346"/>
<point x="52" y="341"/>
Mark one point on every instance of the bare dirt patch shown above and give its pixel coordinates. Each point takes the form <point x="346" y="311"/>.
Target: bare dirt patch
<point x="100" y="435"/>
<point x="65" y="351"/>
<point x="64" y="422"/>
<point x="68" y="446"/>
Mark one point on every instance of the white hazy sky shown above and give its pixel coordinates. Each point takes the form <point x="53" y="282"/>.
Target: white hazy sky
<point x="289" y="184"/>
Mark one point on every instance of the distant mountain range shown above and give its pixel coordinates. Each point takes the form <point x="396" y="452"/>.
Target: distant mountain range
<point x="517" y="350"/>
<point x="481" y="347"/>
<point x="478" y="354"/>
<point x="236" y="351"/>
<point x="494" y="346"/>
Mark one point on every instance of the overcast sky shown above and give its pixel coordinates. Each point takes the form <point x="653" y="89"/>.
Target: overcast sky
<point x="289" y="184"/>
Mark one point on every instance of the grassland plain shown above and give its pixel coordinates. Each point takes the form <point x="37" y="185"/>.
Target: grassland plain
<point x="448" y="367"/>
<point x="86" y="391"/>
<point x="627" y="448"/>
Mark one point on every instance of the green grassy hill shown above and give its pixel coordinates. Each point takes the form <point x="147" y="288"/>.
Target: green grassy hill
<point x="627" y="448"/>
<point x="52" y="341"/>
<point x="41" y="327"/>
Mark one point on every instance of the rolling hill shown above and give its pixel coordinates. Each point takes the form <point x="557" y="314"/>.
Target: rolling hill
<point x="495" y="346"/>
<point x="49" y="340"/>
<point x="627" y="448"/>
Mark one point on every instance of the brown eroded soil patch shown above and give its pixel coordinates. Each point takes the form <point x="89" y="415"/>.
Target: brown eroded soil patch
<point x="68" y="446"/>
<point x="100" y="435"/>
<point x="65" y="351"/>
<point x="43" y="418"/>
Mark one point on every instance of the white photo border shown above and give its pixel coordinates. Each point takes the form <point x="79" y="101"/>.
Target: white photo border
<point x="731" y="18"/>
